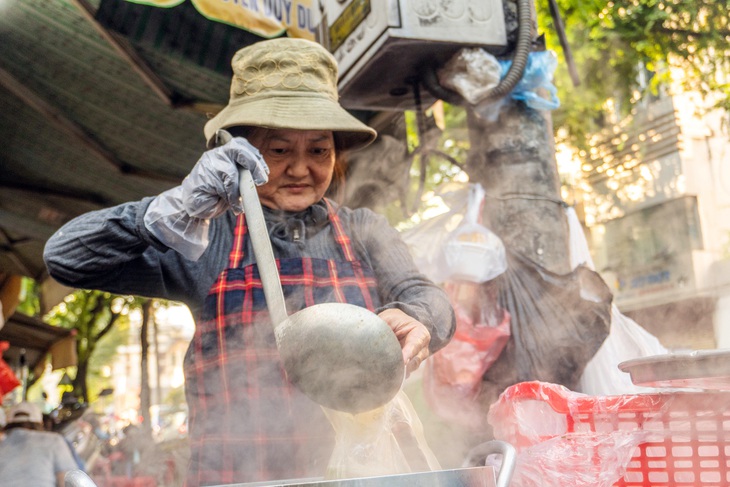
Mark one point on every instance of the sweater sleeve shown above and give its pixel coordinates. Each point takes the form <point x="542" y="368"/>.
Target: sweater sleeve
<point x="400" y="283"/>
<point x="111" y="250"/>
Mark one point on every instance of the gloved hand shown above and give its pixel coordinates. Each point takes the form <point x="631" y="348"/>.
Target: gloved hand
<point x="211" y="188"/>
<point x="179" y="217"/>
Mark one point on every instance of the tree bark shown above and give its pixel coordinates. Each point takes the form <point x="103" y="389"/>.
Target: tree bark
<point x="144" y="393"/>
<point x="79" y="382"/>
<point x="513" y="157"/>
<point x="156" y="343"/>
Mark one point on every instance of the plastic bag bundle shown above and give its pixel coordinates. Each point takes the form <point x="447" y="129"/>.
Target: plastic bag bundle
<point x="385" y="441"/>
<point x="627" y="339"/>
<point x="572" y="439"/>
<point x="536" y="87"/>
<point x="452" y="377"/>
<point x="577" y="460"/>
<point x="558" y="324"/>
<point x="455" y="246"/>
<point x="472" y="72"/>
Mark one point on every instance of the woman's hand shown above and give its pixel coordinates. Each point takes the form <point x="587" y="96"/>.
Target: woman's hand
<point x="212" y="185"/>
<point x="179" y="216"/>
<point x="413" y="336"/>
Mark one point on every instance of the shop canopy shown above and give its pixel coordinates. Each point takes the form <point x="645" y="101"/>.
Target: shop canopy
<point x="32" y="342"/>
<point x="267" y="18"/>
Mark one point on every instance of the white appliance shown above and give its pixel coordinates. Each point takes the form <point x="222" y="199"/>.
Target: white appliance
<point x="383" y="46"/>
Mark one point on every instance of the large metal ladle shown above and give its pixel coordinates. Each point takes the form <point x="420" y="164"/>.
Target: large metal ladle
<point x="342" y="356"/>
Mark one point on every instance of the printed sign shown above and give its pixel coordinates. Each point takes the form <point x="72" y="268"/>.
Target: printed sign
<point x="347" y="21"/>
<point x="267" y="18"/>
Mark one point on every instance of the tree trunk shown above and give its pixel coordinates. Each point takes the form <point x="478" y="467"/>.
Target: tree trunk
<point x="144" y="393"/>
<point x="156" y="342"/>
<point x="79" y="382"/>
<point x="513" y="157"/>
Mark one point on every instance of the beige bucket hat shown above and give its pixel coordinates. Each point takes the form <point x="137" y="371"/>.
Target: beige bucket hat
<point x="288" y="83"/>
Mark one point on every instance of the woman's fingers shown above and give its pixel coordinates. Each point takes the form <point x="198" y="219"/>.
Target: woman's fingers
<point x="413" y="336"/>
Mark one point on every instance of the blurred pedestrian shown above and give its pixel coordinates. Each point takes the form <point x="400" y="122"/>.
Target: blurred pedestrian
<point x="50" y="425"/>
<point x="29" y="455"/>
<point x="3" y="422"/>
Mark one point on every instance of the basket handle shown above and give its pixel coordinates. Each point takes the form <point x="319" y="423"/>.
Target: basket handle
<point x="564" y="401"/>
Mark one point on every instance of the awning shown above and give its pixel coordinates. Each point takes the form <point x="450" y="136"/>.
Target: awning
<point x="36" y="340"/>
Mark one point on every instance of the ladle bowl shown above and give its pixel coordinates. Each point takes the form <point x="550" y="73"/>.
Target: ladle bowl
<point x="342" y="356"/>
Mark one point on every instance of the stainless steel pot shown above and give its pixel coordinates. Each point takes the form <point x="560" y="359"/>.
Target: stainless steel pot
<point x="484" y="476"/>
<point x="460" y="477"/>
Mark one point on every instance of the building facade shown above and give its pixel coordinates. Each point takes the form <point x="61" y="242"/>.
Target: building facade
<point x="656" y="199"/>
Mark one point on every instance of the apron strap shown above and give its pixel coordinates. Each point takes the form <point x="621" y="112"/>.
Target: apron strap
<point x="342" y="239"/>
<point x="340" y="235"/>
<point x="236" y="255"/>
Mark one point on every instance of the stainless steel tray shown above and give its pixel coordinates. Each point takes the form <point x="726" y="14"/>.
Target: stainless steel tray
<point x="702" y="369"/>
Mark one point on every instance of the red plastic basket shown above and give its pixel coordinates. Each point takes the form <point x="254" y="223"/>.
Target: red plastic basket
<point x="688" y="433"/>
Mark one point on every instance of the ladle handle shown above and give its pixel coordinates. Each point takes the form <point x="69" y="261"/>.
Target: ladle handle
<point x="262" y="248"/>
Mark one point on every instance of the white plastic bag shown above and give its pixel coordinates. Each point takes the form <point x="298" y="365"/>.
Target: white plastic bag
<point x="472" y="72"/>
<point x="627" y="340"/>
<point x="454" y="246"/>
<point x="385" y="441"/>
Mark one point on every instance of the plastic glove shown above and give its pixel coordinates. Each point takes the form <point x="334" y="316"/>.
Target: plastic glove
<point x="211" y="188"/>
<point x="180" y="217"/>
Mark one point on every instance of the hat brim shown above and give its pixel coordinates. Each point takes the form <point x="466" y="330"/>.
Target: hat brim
<point x="287" y="110"/>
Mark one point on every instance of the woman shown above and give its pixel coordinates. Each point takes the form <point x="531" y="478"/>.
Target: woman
<point x="190" y="244"/>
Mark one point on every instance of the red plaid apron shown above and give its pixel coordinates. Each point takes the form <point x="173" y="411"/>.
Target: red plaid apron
<point x="247" y="423"/>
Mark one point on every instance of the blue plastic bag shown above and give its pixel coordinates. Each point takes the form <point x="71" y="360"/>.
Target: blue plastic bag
<point x="536" y="82"/>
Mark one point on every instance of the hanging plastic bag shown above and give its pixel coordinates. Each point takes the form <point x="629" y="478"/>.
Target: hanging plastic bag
<point x="452" y="245"/>
<point x="472" y="252"/>
<point x="8" y="379"/>
<point x="426" y="239"/>
<point x="466" y="261"/>
<point x="472" y="72"/>
<point x="536" y="87"/>
<point x="386" y="441"/>
<point x="452" y="377"/>
<point x="558" y="322"/>
<point x="627" y="339"/>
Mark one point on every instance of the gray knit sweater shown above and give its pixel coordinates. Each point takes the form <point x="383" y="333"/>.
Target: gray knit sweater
<point x="112" y="250"/>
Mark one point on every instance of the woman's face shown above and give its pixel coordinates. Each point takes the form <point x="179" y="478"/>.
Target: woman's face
<point x="301" y="163"/>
